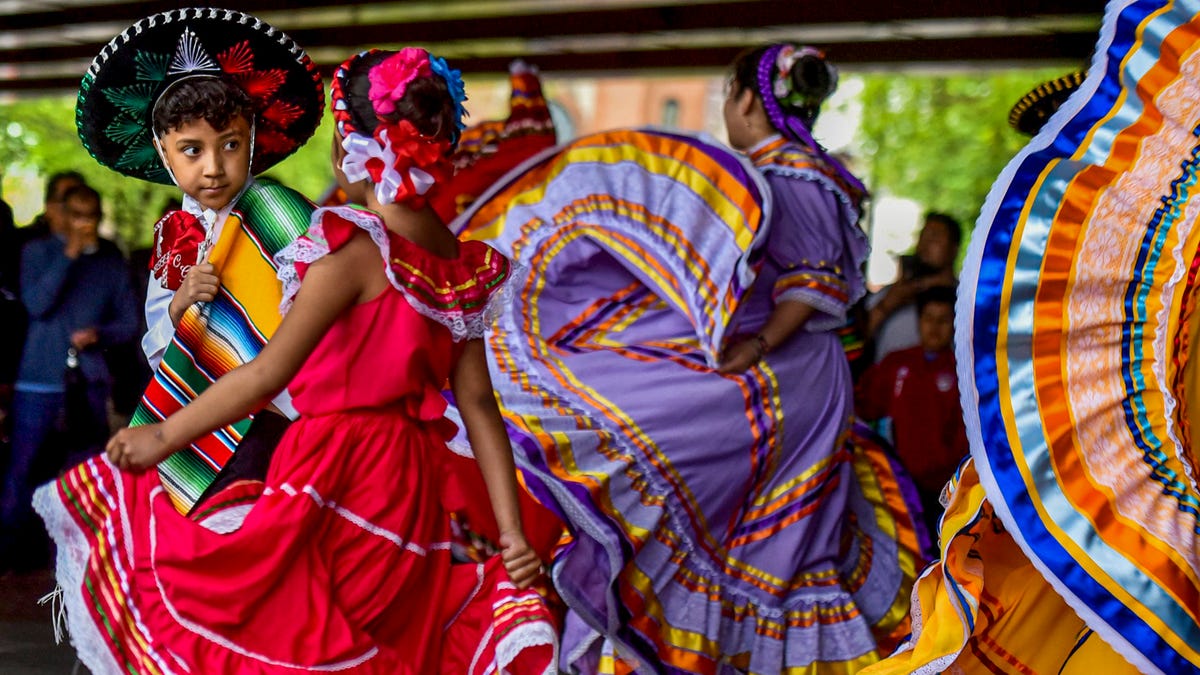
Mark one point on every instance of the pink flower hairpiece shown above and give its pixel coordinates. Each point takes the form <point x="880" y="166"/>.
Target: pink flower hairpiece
<point x="391" y="76"/>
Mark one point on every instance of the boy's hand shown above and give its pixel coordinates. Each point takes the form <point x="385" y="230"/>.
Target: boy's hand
<point x="521" y="562"/>
<point x="200" y="285"/>
<point x="137" y="448"/>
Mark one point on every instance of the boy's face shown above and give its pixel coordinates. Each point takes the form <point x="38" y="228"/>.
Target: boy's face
<point x="210" y="165"/>
<point x="936" y="326"/>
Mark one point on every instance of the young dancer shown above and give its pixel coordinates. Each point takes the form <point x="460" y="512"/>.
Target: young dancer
<point x="342" y="561"/>
<point x="205" y="99"/>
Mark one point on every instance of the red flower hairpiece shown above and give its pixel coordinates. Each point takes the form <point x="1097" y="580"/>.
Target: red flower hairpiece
<point x="390" y="77"/>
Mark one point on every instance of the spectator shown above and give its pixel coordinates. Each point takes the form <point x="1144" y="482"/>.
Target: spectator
<point x="76" y="290"/>
<point x="52" y="220"/>
<point x="892" y="318"/>
<point x="11" y="314"/>
<point x="915" y="392"/>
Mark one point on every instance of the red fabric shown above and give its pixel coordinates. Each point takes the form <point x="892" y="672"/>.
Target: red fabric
<point x="344" y="560"/>
<point x="920" y="395"/>
<point x="177" y="239"/>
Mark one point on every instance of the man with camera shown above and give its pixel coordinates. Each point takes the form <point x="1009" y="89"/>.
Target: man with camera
<point x="892" y="312"/>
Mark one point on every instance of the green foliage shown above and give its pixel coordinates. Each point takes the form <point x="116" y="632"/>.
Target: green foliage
<point x="39" y="134"/>
<point x="942" y="140"/>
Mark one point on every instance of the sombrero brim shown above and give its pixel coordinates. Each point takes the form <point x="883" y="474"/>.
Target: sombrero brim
<point x="1034" y="108"/>
<point x="1075" y="331"/>
<point x="120" y="88"/>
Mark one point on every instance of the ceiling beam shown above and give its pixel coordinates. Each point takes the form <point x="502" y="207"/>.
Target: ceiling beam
<point x="633" y="21"/>
<point x="1070" y="47"/>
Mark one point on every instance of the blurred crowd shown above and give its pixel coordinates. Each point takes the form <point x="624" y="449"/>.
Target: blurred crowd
<point x="71" y="369"/>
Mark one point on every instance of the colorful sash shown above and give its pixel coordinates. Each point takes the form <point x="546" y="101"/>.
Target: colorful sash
<point x="214" y="338"/>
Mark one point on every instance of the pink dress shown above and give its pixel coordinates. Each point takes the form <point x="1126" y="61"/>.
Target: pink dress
<point x="341" y="561"/>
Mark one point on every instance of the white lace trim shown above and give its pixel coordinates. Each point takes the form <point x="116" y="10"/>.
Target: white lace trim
<point x="71" y="565"/>
<point x="527" y="636"/>
<point x="314" y="245"/>
<point x="227" y="520"/>
<point x="359" y="521"/>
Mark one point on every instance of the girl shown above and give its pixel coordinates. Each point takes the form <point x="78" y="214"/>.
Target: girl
<point x="342" y="561"/>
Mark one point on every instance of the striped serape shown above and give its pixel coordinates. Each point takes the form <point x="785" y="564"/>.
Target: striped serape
<point x="215" y="337"/>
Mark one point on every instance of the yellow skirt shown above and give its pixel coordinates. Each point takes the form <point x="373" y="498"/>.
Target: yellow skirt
<point x="983" y="608"/>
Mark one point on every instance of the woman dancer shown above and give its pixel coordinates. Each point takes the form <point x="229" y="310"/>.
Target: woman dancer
<point x="677" y="393"/>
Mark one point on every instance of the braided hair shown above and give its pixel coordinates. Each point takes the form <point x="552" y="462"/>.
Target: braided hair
<point x="800" y="91"/>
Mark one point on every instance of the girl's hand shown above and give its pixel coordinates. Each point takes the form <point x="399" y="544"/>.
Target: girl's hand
<point x="520" y="560"/>
<point x="739" y="358"/>
<point x="137" y="448"/>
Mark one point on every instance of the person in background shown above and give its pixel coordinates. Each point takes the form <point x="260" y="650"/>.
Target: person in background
<point x="52" y="219"/>
<point x="914" y="391"/>
<point x="11" y="314"/>
<point x="75" y="289"/>
<point x="892" y="312"/>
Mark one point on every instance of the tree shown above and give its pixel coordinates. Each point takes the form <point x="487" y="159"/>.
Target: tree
<point x="41" y="133"/>
<point x="942" y="140"/>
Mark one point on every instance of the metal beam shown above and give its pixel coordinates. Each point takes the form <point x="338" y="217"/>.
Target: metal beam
<point x="1070" y="47"/>
<point x="636" y="21"/>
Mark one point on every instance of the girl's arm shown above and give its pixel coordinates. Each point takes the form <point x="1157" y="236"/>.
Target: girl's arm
<point x="331" y="285"/>
<point x="787" y="317"/>
<point x="476" y="401"/>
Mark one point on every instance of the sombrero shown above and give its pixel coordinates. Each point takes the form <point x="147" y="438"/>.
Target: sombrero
<point x="1034" y="108"/>
<point x="1077" y="334"/>
<point x="117" y="95"/>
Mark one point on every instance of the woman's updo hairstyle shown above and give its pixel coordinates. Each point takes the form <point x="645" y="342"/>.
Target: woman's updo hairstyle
<point x="800" y="91"/>
<point x="426" y="103"/>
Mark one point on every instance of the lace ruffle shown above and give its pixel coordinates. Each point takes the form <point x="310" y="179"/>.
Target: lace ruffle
<point x="315" y="244"/>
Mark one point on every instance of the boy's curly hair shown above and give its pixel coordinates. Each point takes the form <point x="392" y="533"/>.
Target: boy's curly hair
<point x="212" y="99"/>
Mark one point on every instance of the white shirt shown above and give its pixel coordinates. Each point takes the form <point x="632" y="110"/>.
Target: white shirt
<point x="159" y="329"/>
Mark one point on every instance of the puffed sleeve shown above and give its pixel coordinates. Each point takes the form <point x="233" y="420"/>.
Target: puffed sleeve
<point x="817" y="249"/>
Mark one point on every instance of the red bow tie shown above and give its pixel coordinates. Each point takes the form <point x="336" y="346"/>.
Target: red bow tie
<point x="177" y="239"/>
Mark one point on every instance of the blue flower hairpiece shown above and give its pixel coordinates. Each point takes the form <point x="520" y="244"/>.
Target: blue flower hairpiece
<point x="454" y="83"/>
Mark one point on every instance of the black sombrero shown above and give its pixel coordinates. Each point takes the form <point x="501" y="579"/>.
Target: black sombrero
<point x="118" y="93"/>
<point x="1031" y="112"/>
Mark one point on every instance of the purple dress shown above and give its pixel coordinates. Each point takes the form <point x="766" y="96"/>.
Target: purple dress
<point x="719" y="523"/>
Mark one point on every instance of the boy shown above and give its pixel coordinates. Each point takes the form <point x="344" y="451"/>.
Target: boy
<point x="916" y="389"/>
<point x="205" y="99"/>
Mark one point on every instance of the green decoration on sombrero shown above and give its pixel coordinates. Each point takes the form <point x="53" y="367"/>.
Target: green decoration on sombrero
<point x="114" y="109"/>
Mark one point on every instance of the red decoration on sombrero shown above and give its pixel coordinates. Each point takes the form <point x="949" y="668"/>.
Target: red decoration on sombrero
<point x="237" y="59"/>
<point x="282" y="113"/>
<point x="271" y="141"/>
<point x="260" y="85"/>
